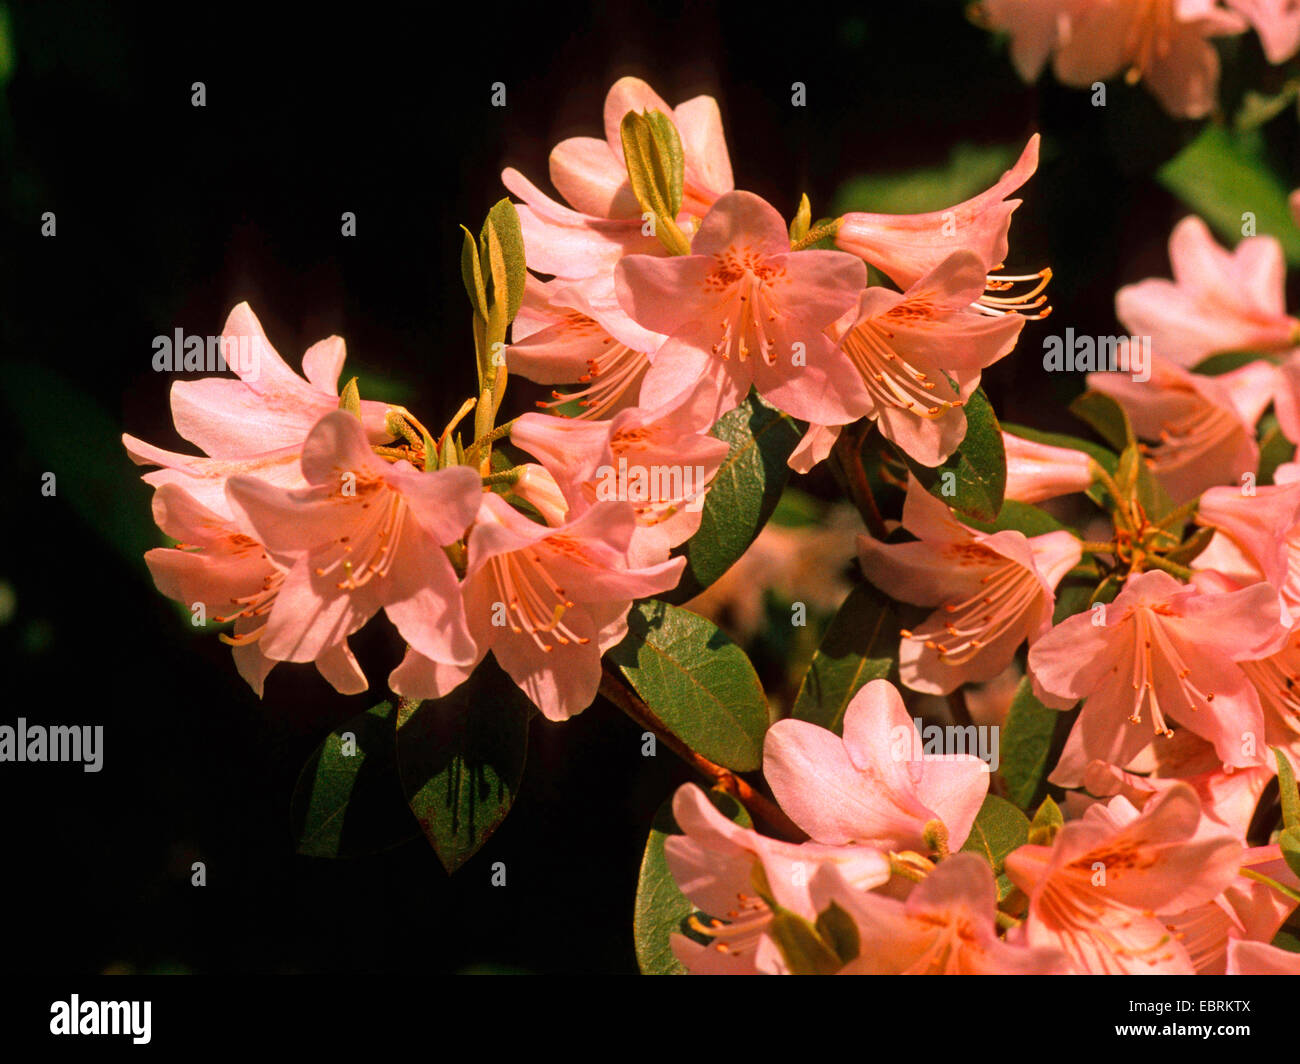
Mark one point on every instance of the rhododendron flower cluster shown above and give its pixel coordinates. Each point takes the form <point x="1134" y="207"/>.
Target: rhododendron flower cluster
<point x="694" y="346"/>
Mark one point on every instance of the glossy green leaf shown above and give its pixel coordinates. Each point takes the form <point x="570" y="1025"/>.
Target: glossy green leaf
<point x="696" y="681"/>
<point x="860" y="645"/>
<point x="973" y="479"/>
<point x="1026" y="741"/>
<point x="460" y="760"/>
<point x="999" y="828"/>
<point x="1106" y="416"/>
<point x="347" y="801"/>
<point x="742" y="495"/>
<point x="802" y="947"/>
<point x="1223" y="176"/>
<point x="661" y="909"/>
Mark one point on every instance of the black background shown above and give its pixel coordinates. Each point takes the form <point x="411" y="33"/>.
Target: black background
<point x="168" y="215"/>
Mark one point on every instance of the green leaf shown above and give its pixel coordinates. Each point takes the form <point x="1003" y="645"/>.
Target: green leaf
<point x="839" y="931"/>
<point x="973" y="479"/>
<point x="661" y="909"/>
<point x="1274" y="449"/>
<point x="669" y="157"/>
<point x="696" y="681"/>
<point x="860" y="645"/>
<point x="802" y="221"/>
<point x="1286" y="785"/>
<point x="347" y="801"/>
<point x="1258" y="109"/>
<point x="1222" y="176"/>
<point x="801" y="945"/>
<point x="507" y="270"/>
<point x="471" y="274"/>
<point x="970" y="169"/>
<point x="1046" y="823"/>
<point x="742" y="495"/>
<point x="1106" y="416"/>
<point x="999" y="828"/>
<point x="460" y="760"/>
<point x="653" y="153"/>
<point x="1020" y="517"/>
<point x="1026" y="741"/>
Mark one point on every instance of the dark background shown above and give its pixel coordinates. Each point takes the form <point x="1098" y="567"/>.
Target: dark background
<point x="168" y="215"/>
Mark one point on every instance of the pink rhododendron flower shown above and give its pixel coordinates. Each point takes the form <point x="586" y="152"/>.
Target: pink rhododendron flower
<point x="1203" y="427"/>
<point x="945" y="927"/>
<point x="234" y="578"/>
<point x="1257" y="538"/>
<point x="1039" y="471"/>
<point x="547" y="601"/>
<point x="1276" y="21"/>
<point x="1247" y="910"/>
<point x="1162" y="42"/>
<point x="661" y="461"/>
<point x="1167" y="650"/>
<point x="1259" y="958"/>
<point x="993" y="590"/>
<point x="870" y="788"/>
<point x="569" y="334"/>
<point x="714" y="864"/>
<point x="1217" y="301"/>
<point x="743" y="309"/>
<point x="1287" y="399"/>
<point x="254" y="425"/>
<point x="605" y="220"/>
<point x="1276" y="679"/>
<point x="919" y="355"/>
<point x="366" y="534"/>
<point x="1227" y="795"/>
<point x="1095" y="892"/>
<point x="906" y="247"/>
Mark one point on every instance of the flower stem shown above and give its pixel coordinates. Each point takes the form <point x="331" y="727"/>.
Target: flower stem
<point x="847" y="458"/>
<point x="1281" y="888"/>
<point x="762" y="809"/>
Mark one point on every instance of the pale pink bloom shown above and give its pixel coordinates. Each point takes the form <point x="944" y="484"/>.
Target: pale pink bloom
<point x="946" y="926"/>
<point x="1276" y="679"/>
<point x="1247" y="911"/>
<point x="1218" y="300"/>
<point x="546" y="601"/>
<point x="906" y="247"/>
<point x="1259" y="958"/>
<point x="254" y="425"/>
<point x="743" y="309"/>
<point x="233" y="577"/>
<point x="1277" y="22"/>
<point x="1228" y="795"/>
<point x="661" y="461"/>
<point x="714" y="864"/>
<point x="871" y="787"/>
<point x="604" y="221"/>
<point x="579" y="335"/>
<point x="993" y="590"/>
<point x="1039" y="471"/>
<point x="1202" y="428"/>
<point x="1257" y="538"/>
<point x="1287" y="399"/>
<point x="1166" y="649"/>
<point x="919" y="355"/>
<point x="365" y="534"/>
<point x="1162" y="42"/>
<point x="1095" y="892"/>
